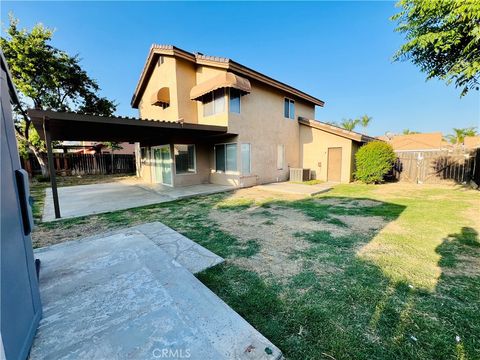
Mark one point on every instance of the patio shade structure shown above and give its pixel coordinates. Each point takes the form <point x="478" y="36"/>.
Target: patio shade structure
<point x="67" y="126"/>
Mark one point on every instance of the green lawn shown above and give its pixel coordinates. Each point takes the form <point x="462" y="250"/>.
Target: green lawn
<point x="361" y="272"/>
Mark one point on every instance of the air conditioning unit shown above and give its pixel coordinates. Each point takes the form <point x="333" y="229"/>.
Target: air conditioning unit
<point x="299" y="174"/>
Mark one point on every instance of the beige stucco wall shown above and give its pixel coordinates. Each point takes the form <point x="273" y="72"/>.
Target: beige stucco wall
<point x="186" y="80"/>
<point x="164" y="75"/>
<point x="202" y="175"/>
<point x="261" y="123"/>
<point x="314" y="144"/>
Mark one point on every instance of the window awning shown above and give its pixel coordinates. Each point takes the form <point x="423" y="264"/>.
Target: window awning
<point x="161" y="97"/>
<point x="223" y="80"/>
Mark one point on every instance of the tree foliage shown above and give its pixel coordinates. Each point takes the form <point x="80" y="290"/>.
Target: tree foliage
<point x="409" y="132"/>
<point x="365" y="120"/>
<point x="351" y="124"/>
<point x="373" y="161"/>
<point x="443" y="39"/>
<point x="458" y="136"/>
<point x="47" y="78"/>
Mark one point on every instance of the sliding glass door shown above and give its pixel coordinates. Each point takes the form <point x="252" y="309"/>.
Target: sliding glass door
<point x="162" y="161"/>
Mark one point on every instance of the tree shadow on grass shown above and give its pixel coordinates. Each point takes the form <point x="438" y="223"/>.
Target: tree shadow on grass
<point x="348" y="308"/>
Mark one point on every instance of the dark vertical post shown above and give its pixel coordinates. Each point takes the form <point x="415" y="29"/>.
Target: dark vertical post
<point x="51" y="169"/>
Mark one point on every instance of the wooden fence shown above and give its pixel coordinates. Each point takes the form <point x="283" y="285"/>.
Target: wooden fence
<point x="84" y="164"/>
<point x="430" y="167"/>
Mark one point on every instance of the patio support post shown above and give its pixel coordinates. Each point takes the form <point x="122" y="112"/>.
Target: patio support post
<point x="51" y="168"/>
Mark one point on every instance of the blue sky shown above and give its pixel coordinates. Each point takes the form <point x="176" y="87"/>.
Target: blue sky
<point x="339" y="52"/>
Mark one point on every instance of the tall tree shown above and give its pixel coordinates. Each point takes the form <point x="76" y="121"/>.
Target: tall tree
<point x="365" y="120"/>
<point x="443" y="39"/>
<point x="349" y="124"/>
<point x="47" y="77"/>
<point x="459" y="135"/>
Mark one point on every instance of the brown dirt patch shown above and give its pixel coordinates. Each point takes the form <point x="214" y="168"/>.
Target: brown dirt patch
<point x="261" y="196"/>
<point x="362" y="224"/>
<point x="275" y="231"/>
<point x="346" y="203"/>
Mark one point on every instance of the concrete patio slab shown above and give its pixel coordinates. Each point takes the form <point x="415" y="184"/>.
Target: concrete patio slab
<point x="297" y="189"/>
<point x="91" y="199"/>
<point x="122" y="297"/>
<point x="188" y="253"/>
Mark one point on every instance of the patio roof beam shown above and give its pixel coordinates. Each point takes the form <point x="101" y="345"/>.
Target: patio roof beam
<point x="51" y="168"/>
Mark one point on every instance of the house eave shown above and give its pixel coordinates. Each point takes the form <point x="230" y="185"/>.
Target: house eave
<point x="217" y="62"/>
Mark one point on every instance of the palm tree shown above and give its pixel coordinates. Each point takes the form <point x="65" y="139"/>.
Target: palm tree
<point x="365" y="120"/>
<point x="458" y="135"/>
<point x="409" y="132"/>
<point x="349" y="124"/>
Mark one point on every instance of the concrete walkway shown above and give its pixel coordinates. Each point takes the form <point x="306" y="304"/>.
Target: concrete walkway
<point x="297" y="189"/>
<point x="120" y="296"/>
<point x="100" y="198"/>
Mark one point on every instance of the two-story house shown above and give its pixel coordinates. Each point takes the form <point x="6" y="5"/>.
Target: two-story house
<point x="265" y="123"/>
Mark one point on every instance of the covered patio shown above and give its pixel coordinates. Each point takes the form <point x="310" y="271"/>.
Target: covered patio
<point x="64" y="126"/>
<point x="83" y="200"/>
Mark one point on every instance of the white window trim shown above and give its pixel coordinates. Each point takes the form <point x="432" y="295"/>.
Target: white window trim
<point x="194" y="161"/>
<point x="227" y="172"/>
<point x="289" y="100"/>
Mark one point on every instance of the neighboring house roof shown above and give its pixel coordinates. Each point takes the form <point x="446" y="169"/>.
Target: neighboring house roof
<point x="416" y="142"/>
<point x="218" y="62"/>
<point x="352" y="135"/>
<point x="471" y="142"/>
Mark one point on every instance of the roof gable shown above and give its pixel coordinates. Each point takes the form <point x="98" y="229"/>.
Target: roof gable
<point x="352" y="135"/>
<point x="214" y="61"/>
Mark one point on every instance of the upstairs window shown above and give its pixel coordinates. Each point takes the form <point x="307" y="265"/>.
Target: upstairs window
<point x="214" y="102"/>
<point x="234" y="104"/>
<point x="160" y="60"/>
<point x="184" y="159"/>
<point x="289" y="109"/>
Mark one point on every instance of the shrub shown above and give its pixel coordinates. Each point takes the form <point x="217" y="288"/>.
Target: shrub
<point x="374" y="160"/>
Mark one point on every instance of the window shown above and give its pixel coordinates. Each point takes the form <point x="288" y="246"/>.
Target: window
<point x="214" y="102"/>
<point x="160" y="60"/>
<point x="226" y="157"/>
<point x="234" y="105"/>
<point x="184" y="159"/>
<point x="289" y="108"/>
<point x="245" y="155"/>
<point x="280" y="157"/>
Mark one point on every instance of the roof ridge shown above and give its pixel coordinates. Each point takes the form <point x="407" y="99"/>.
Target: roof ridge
<point x="346" y="132"/>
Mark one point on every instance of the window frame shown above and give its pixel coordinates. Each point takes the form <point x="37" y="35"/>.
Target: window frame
<point x="194" y="160"/>
<point x="290" y="103"/>
<point x="212" y="95"/>
<point x="226" y="171"/>
<point x="239" y="101"/>
<point x="249" y="159"/>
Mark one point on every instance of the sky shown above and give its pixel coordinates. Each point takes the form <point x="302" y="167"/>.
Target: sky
<point x="340" y="52"/>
